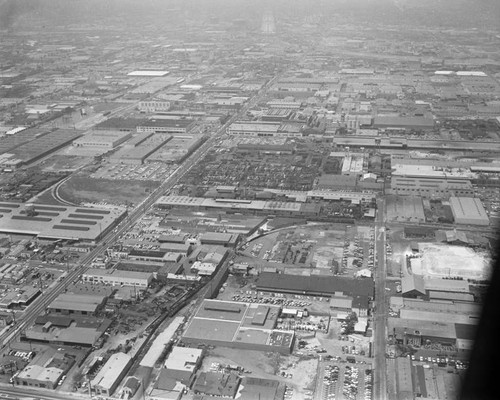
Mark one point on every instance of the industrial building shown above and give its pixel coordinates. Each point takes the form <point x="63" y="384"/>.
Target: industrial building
<point x="20" y="299"/>
<point x="143" y="125"/>
<point x="80" y="304"/>
<point x="215" y="384"/>
<point x="151" y="106"/>
<point x="469" y="211"/>
<point x="45" y="370"/>
<point x="182" y="363"/>
<point x="165" y="126"/>
<point x="417" y="332"/>
<point x="102" y="139"/>
<point x="431" y="181"/>
<point x="220" y="239"/>
<point x="254" y="129"/>
<point x="58" y="222"/>
<point x="425" y="187"/>
<point x="118" y="277"/>
<point x="161" y="341"/>
<point x="260" y="388"/>
<point x="261" y="207"/>
<point x="85" y="331"/>
<point x="110" y="375"/>
<point x="42" y="146"/>
<point x="148" y="73"/>
<point x="407" y="123"/>
<point x="137" y="152"/>
<point x="166" y="388"/>
<point x="238" y="325"/>
<point x="177" y="149"/>
<point x="315" y="285"/>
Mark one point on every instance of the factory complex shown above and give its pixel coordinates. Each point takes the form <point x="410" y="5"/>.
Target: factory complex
<point x="59" y="222"/>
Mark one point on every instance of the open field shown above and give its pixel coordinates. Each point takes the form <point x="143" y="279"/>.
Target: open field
<point x="80" y="189"/>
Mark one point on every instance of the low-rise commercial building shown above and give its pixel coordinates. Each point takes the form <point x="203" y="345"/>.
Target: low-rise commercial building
<point x="110" y="375"/>
<point x="118" y="277"/>
<point x="82" y="304"/>
<point x="221" y="239"/>
<point x="217" y="384"/>
<point x="182" y="363"/>
<point x="45" y="370"/>
<point x="76" y="330"/>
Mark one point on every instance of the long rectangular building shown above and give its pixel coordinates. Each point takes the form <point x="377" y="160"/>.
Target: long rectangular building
<point x="315" y="285"/>
<point x="58" y="222"/>
<point x="44" y="145"/>
<point x="110" y="375"/>
<point x="118" y="277"/>
<point x="280" y="208"/>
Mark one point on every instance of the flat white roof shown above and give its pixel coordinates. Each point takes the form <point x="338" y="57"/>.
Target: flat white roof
<point x="148" y="73"/>
<point x="444" y="72"/>
<point x="160" y="342"/>
<point x="471" y="73"/>
<point x="183" y="358"/>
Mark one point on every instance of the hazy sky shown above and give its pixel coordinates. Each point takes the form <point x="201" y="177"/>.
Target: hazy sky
<point x="71" y="11"/>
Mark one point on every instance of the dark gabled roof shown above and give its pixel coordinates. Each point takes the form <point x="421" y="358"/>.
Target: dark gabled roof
<point x="57" y="320"/>
<point x="316" y="284"/>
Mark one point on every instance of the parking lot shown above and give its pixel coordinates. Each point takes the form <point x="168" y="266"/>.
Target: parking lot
<point x="344" y="381"/>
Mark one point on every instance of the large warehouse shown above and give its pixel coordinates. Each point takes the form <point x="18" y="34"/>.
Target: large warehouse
<point x="255" y="207"/>
<point x="315" y="285"/>
<point x="238" y="325"/>
<point x="43" y="145"/>
<point x="137" y="153"/>
<point x="469" y="211"/>
<point x="58" y="222"/>
<point x="102" y="139"/>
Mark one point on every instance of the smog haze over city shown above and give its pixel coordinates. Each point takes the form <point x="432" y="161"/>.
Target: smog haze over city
<point x="246" y="199"/>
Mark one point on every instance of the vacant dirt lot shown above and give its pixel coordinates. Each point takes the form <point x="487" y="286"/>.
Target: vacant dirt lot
<point x="83" y="189"/>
